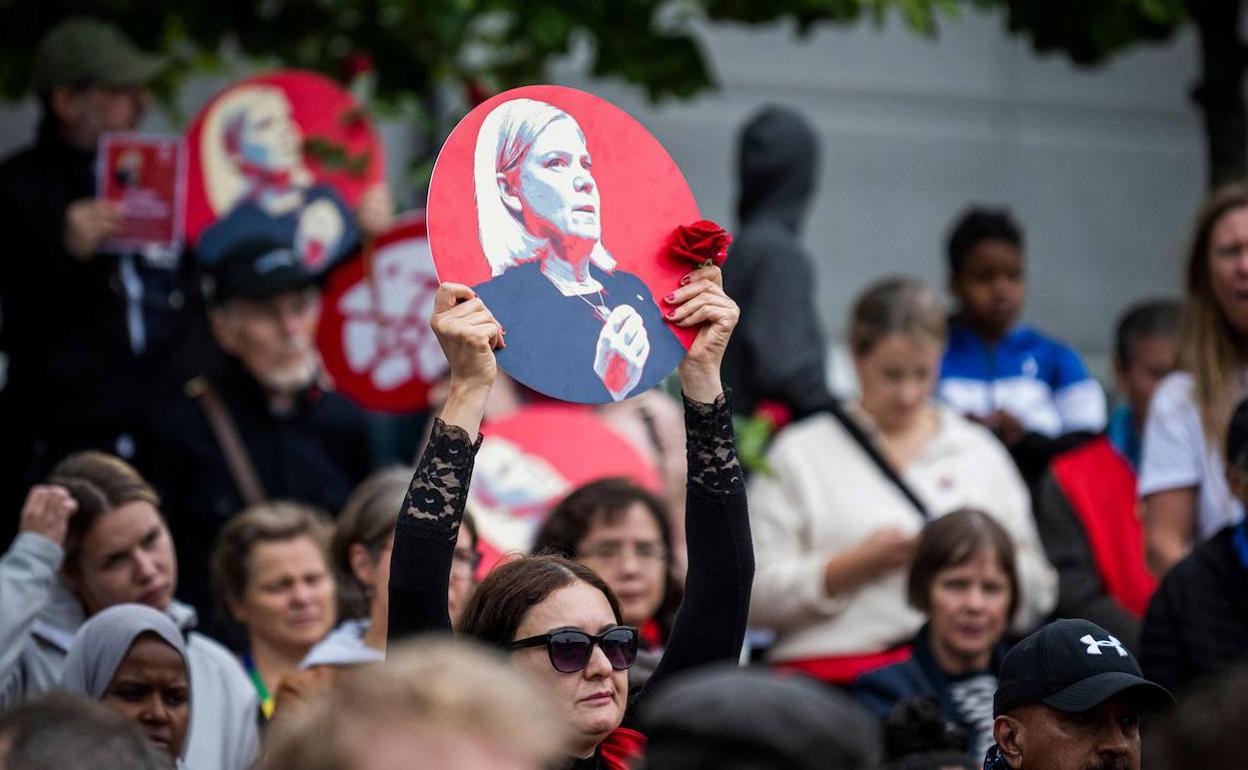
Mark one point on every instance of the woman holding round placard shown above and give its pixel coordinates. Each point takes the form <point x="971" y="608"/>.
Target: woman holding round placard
<point x="558" y="620"/>
<point x="580" y="328"/>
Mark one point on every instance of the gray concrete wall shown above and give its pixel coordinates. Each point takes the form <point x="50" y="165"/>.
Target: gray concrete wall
<point x="1103" y="166"/>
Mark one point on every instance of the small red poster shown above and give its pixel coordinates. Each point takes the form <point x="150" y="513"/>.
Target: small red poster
<point x="374" y="335"/>
<point x="558" y="207"/>
<point x="532" y="458"/>
<point x="145" y="176"/>
<point x="283" y="157"/>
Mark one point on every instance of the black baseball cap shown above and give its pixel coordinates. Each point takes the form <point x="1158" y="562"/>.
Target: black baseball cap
<point x="1073" y="666"/>
<point x="259" y="270"/>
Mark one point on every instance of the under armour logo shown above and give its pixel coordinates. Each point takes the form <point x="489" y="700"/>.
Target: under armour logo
<point x="1095" y="645"/>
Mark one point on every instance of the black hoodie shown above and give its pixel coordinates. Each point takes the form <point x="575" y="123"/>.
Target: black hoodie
<point x="777" y="351"/>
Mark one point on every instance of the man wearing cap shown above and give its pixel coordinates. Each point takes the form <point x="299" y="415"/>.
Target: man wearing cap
<point x="1070" y="697"/>
<point x="266" y="427"/>
<point x="91" y="338"/>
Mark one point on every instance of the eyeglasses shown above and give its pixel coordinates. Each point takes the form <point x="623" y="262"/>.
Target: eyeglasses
<point x="613" y="550"/>
<point x="464" y="563"/>
<point x="570" y="649"/>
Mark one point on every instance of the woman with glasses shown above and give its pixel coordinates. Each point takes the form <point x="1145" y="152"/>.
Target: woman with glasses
<point x="621" y="531"/>
<point x="560" y="621"/>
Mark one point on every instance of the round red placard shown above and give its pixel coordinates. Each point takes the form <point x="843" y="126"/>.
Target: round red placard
<point x="285" y="157"/>
<point x="557" y="207"/>
<point x="531" y="459"/>
<point x="374" y="335"/>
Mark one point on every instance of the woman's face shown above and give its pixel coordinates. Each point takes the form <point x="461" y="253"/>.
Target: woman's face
<point x="1228" y="266"/>
<point x="150" y="688"/>
<point x="126" y="556"/>
<point x="628" y="553"/>
<point x="592" y="699"/>
<point x="269" y="139"/>
<point x="970" y="608"/>
<point x="896" y="378"/>
<point x="555" y="188"/>
<point x="289" y="599"/>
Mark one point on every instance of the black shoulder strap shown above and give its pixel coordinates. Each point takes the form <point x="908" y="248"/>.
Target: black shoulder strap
<point x="867" y="445"/>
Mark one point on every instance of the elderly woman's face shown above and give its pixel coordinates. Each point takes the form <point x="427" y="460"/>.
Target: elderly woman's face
<point x="270" y="139"/>
<point x="970" y="606"/>
<point x="558" y="195"/>
<point x="150" y="688"/>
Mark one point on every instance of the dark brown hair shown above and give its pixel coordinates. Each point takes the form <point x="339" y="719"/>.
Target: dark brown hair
<point x="953" y="540"/>
<point x="604" y="502"/>
<point x="500" y="603"/>
<point x="100" y="483"/>
<point x="264" y="523"/>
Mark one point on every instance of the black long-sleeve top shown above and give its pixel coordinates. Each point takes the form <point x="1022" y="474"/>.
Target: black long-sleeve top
<point x="710" y="624"/>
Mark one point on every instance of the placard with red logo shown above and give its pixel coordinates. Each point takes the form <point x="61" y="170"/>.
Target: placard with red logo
<point x="145" y="176"/>
<point x="558" y="208"/>
<point x="282" y="157"/>
<point x="374" y="335"/>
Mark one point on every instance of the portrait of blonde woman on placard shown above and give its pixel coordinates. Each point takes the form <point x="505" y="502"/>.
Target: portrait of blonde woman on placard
<point x="579" y="327"/>
<point x="251" y="150"/>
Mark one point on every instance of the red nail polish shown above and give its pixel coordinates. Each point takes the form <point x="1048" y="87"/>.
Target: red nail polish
<point x="684" y="281"/>
<point x="671" y="314"/>
<point x="670" y="297"/>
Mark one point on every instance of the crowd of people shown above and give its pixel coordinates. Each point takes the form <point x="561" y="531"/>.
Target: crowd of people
<point x="970" y="562"/>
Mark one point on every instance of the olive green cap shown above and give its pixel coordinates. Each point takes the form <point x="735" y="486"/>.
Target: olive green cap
<point x="82" y="50"/>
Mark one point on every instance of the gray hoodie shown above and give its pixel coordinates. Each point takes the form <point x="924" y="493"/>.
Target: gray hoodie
<point x="38" y="619"/>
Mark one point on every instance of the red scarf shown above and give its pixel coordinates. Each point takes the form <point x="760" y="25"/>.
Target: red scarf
<point x="621" y="747"/>
<point x="844" y="669"/>
<point x="1100" y="485"/>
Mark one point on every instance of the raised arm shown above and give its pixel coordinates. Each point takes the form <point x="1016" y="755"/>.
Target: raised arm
<point x="428" y="523"/>
<point x="28" y="575"/>
<point x="710" y="624"/>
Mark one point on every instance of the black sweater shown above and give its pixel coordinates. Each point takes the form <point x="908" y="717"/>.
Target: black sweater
<point x="710" y="624"/>
<point x="1197" y="621"/>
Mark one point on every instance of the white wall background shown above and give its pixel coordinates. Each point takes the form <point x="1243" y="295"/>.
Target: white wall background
<point x="1104" y="167"/>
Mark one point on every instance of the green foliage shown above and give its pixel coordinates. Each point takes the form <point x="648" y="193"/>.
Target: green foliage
<point x="417" y="45"/>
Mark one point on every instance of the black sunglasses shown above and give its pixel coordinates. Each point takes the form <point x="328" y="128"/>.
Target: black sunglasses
<point x="570" y="649"/>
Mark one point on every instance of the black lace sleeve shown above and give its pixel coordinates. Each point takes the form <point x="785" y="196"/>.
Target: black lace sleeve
<point x="425" y="532"/>
<point x="712" y="447"/>
<point x="710" y="624"/>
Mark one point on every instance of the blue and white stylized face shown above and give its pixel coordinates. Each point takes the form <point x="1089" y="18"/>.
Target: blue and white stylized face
<point x="555" y="186"/>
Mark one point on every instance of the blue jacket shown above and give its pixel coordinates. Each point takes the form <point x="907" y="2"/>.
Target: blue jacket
<point x="1039" y="380"/>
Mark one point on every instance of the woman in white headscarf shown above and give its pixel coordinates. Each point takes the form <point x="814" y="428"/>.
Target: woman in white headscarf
<point x="133" y="658"/>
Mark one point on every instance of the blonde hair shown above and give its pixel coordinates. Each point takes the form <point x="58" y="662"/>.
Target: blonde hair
<point x="503" y="141"/>
<point x="224" y="181"/>
<point x="897" y="305"/>
<point x="1211" y="347"/>
<point x="447" y="688"/>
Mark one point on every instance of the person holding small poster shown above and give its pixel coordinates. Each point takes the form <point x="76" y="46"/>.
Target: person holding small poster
<point x="92" y="337"/>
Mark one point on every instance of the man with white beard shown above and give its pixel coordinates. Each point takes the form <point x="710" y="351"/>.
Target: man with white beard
<point x="266" y="426"/>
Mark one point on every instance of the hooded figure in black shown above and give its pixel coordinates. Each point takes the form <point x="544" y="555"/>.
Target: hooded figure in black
<point x="777" y="353"/>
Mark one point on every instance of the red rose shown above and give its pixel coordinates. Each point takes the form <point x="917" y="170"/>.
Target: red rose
<point x="775" y="412"/>
<point x="356" y="64"/>
<point x="703" y="243"/>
